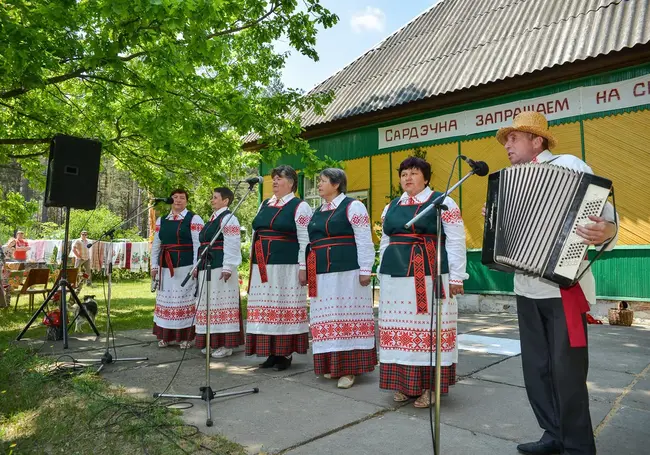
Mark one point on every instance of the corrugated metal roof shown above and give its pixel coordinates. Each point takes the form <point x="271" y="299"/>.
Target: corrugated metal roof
<point x="459" y="44"/>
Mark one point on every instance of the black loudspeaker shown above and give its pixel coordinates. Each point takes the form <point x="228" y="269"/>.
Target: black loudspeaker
<point x="72" y="172"/>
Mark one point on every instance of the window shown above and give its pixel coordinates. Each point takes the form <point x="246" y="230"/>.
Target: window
<point x="361" y="195"/>
<point x="311" y="192"/>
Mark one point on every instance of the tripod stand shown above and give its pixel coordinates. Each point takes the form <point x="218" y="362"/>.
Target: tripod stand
<point x="107" y="358"/>
<point x="206" y="392"/>
<point x="63" y="286"/>
<point x="481" y="169"/>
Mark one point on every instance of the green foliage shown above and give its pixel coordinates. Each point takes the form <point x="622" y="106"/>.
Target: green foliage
<point x="122" y="275"/>
<point x="15" y="212"/>
<point x="169" y="87"/>
<point x="96" y="222"/>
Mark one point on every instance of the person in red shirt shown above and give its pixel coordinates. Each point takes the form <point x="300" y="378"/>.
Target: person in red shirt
<point x="22" y="247"/>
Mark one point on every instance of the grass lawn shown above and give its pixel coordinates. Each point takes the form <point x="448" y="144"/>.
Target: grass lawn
<point x="132" y="304"/>
<point x="44" y="410"/>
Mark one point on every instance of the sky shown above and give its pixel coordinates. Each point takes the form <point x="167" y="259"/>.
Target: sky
<point x="362" y="25"/>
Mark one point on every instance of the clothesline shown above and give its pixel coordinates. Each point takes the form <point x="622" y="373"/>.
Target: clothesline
<point x="134" y="256"/>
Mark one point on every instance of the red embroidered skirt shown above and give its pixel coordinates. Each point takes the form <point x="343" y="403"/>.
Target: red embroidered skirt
<point x="343" y="363"/>
<point x="217" y="340"/>
<point x="411" y="380"/>
<point x="266" y="345"/>
<point x="186" y="334"/>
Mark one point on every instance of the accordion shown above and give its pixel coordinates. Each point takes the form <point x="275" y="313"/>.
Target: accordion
<point x="531" y="215"/>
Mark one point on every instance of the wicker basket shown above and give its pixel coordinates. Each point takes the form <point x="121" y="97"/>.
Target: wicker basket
<point x="620" y="315"/>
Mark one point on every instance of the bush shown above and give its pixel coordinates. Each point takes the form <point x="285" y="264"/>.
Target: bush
<point x="120" y="275"/>
<point x="96" y="222"/>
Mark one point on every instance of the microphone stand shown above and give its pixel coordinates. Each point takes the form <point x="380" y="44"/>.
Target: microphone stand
<point x="438" y="206"/>
<point x="107" y="358"/>
<point x="206" y="392"/>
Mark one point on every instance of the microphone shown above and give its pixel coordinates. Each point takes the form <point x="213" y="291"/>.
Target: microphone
<point x="253" y="180"/>
<point x="480" y="168"/>
<point x="166" y="200"/>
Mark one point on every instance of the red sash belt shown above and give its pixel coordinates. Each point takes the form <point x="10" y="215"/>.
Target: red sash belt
<point x="165" y="256"/>
<point x="269" y="235"/>
<point x="326" y="242"/>
<point x="575" y="304"/>
<point x="421" y="245"/>
<point x="217" y="245"/>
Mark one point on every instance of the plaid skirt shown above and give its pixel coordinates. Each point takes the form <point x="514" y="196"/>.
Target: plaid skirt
<point x="266" y="345"/>
<point x="411" y="380"/>
<point x="343" y="363"/>
<point x="178" y="335"/>
<point x="217" y="340"/>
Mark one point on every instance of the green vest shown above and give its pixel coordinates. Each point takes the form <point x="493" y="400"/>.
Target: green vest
<point x="404" y="243"/>
<point x="275" y="228"/>
<point x="176" y="246"/>
<point x="205" y="236"/>
<point x="332" y="239"/>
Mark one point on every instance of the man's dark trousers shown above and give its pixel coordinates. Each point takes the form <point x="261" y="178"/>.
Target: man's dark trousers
<point x="555" y="374"/>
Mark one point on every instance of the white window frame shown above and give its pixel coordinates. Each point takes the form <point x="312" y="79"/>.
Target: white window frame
<point x="311" y="195"/>
<point x="362" y="195"/>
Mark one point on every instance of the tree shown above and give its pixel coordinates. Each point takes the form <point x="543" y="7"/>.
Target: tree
<point x="170" y="87"/>
<point x="15" y="212"/>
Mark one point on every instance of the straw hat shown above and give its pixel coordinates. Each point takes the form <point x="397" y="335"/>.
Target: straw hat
<point x="528" y="122"/>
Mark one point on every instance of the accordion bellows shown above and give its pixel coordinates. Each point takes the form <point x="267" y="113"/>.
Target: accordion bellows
<point x="531" y="216"/>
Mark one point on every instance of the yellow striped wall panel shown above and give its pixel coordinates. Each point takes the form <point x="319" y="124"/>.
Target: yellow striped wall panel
<point x="397" y="158"/>
<point x="441" y="158"/>
<point x="267" y="187"/>
<point x="568" y="139"/>
<point x="380" y="186"/>
<point x="358" y="173"/>
<point x="475" y="188"/>
<point x="617" y="148"/>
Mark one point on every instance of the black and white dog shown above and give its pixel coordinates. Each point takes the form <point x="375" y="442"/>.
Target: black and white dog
<point x="90" y="305"/>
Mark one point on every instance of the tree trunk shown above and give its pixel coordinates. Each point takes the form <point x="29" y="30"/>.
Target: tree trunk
<point x="44" y="217"/>
<point x="138" y="220"/>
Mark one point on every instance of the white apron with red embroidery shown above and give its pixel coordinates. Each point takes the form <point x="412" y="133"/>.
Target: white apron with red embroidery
<point x="175" y="304"/>
<point x="404" y="335"/>
<point x="224" y="296"/>
<point x="279" y="306"/>
<point x="341" y="314"/>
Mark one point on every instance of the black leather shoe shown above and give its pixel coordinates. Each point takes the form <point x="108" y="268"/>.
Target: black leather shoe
<point x="283" y="363"/>
<point x="541" y="448"/>
<point x="268" y="363"/>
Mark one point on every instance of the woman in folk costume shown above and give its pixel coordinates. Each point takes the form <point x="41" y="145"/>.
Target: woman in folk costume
<point x="277" y="323"/>
<point x="339" y="263"/>
<point x="407" y="271"/>
<point x="174" y="250"/>
<point x="225" y="254"/>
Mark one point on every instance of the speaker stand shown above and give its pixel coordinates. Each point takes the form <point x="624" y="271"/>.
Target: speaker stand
<point x="62" y="285"/>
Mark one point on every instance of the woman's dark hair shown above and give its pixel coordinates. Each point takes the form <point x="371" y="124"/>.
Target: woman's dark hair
<point x="180" y="191"/>
<point x="287" y="172"/>
<point x="413" y="162"/>
<point x="225" y="193"/>
<point x="336" y="176"/>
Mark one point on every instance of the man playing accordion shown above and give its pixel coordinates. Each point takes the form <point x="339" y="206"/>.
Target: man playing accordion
<point x="554" y="364"/>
